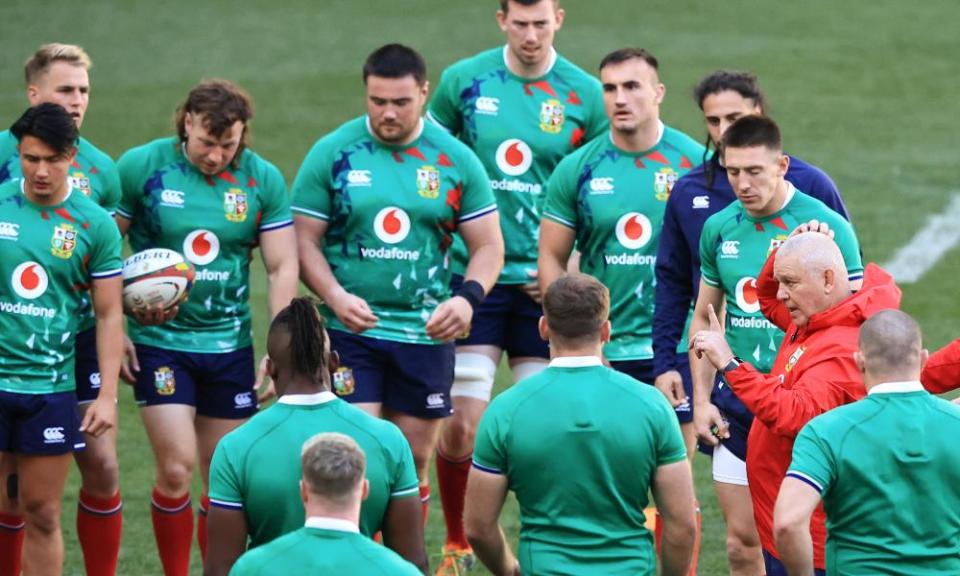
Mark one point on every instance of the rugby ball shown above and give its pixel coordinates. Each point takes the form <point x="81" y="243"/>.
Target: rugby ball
<point x="156" y="277"/>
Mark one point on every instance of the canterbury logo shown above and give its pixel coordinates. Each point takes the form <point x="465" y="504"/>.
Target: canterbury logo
<point x="53" y="435"/>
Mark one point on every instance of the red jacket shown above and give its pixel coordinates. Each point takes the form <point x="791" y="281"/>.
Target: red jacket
<point x="941" y="373"/>
<point x="814" y="372"/>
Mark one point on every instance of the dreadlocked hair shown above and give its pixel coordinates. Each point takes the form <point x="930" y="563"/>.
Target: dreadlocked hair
<point x="302" y="321"/>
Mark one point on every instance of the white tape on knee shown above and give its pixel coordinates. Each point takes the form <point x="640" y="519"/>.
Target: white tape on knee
<point x="473" y="376"/>
<point x="523" y="370"/>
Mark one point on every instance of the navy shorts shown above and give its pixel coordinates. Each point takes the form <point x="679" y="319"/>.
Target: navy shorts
<point x="643" y="371"/>
<point x="219" y="385"/>
<point x="40" y="424"/>
<point x="507" y="319"/>
<point x="414" y="379"/>
<point x="86" y="367"/>
<point x="775" y="567"/>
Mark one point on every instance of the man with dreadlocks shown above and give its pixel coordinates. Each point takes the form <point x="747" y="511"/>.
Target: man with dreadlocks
<point x="255" y="473"/>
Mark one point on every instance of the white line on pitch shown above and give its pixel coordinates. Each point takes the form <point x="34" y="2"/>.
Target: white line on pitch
<point x="936" y="238"/>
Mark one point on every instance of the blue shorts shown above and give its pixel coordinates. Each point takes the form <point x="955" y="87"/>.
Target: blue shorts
<point x="507" y="319"/>
<point x="87" y="368"/>
<point x="219" y="385"/>
<point x="643" y="371"/>
<point x="775" y="567"/>
<point x="40" y="424"/>
<point x="414" y="379"/>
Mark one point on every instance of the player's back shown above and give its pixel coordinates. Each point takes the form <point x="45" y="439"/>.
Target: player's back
<point x="581" y="445"/>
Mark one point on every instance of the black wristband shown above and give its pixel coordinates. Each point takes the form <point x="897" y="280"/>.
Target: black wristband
<point x="472" y="292"/>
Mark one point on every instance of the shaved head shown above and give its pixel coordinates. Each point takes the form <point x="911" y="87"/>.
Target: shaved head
<point x="812" y="275"/>
<point x="891" y="347"/>
<point x="814" y="252"/>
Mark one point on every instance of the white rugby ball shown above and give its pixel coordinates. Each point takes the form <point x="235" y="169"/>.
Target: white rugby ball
<point x="156" y="277"/>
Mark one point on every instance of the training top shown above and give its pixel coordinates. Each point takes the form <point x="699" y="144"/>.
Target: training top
<point x="614" y="202"/>
<point x="256" y="468"/>
<point x="887" y="470"/>
<point x="49" y="256"/>
<point x="93" y="173"/>
<point x="215" y="222"/>
<point x="323" y="546"/>
<point x="580" y="444"/>
<point x="520" y="128"/>
<point x="392" y="213"/>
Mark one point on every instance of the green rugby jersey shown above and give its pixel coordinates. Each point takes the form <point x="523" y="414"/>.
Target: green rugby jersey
<point x="92" y="172"/>
<point x="580" y="444"/>
<point x="215" y="222"/>
<point x="733" y="248"/>
<point x="256" y="468"/>
<point x="49" y="255"/>
<point x="887" y="470"/>
<point x="520" y="128"/>
<point x="392" y="214"/>
<point x="614" y="200"/>
<point x="323" y="546"/>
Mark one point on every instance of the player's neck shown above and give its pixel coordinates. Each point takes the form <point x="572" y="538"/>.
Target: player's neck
<point x="315" y="507"/>
<point x="535" y="70"/>
<point x="644" y="138"/>
<point x="296" y="384"/>
<point x="558" y="350"/>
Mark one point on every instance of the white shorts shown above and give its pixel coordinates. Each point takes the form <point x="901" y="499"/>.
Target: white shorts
<point x="727" y="468"/>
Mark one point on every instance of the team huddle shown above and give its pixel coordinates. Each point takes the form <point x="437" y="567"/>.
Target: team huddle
<point x="652" y="295"/>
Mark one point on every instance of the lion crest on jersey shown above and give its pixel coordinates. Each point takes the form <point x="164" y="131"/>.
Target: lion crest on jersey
<point x="776" y="242"/>
<point x="428" y="182"/>
<point x="79" y="181"/>
<point x="343" y="383"/>
<point x="551" y="116"/>
<point x="663" y="182"/>
<point x="235" y="205"/>
<point x="64" y="241"/>
<point x="164" y="382"/>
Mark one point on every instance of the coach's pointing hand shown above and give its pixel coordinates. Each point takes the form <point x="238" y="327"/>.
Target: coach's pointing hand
<point x="712" y="342"/>
<point x="451" y="319"/>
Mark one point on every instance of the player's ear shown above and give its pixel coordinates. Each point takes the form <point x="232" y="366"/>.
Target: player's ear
<point x="605" y="332"/>
<point x="829" y="280"/>
<point x="502" y="20"/>
<point x="543" y="328"/>
<point x="272" y="371"/>
<point x="858" y="359"/>
<point x="560" y="15"/>
<point x="71" y="153"/>
<point x="784" y="163"/>
<point x="924" y="356"/>
<point x="33" y="95"/>
<point x="303" y="492"/>
<point x="366" y="490"/>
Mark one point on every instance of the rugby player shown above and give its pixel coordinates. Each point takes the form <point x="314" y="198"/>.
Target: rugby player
<point x="59" y="73"/>
<point x="612" y="440"/>
<point x="734" y="245"/>
<point x="377" y="203"/>
<point x="804" y="290"/>
<point x="255" y="468"/>
<point x="521" y="108"/>
<point x="58" y="246"/>
<point x="885" y="468"/>
<point x="723" y="96"/>
<point x="332" y="488"/>
<point x="205" y="194"/>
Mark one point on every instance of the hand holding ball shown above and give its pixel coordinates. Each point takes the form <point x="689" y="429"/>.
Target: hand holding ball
<point x="156" y="279"/>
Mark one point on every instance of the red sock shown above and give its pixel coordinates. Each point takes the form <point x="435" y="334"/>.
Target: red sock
<point x="425" y="503"/>
<point x="452" y="480"/>
<point x="11" y="543"/>
<point x="202" y="526"/>
<point x="173" y="531"/>
<point x="99" y="524"/>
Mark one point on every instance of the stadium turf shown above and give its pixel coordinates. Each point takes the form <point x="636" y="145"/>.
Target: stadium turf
<point x="865" y="90"/>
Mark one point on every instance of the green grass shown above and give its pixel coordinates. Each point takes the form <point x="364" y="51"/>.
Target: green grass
<point x="865" y="90"/>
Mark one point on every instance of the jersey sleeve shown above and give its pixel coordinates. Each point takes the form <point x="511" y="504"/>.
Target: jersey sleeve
<point x="105" y="256"/>
<point x="130" y="168"/>
<point x="489" y="452"/>
<point x="812" y="459"/>
<point x="561" y="202"/>
<point x="674" y="289"/>
<point x="477" y="199"/>
<point x="708" y="253"/>
<point x="314" y="183"/>
<point x="444" y="109"/>
<point x="224" y="480"/>
<point x="275" y="202"/>
<point x="846" y="240"/>
<point x="670" y="445"/>
<point x="404" y="482"/>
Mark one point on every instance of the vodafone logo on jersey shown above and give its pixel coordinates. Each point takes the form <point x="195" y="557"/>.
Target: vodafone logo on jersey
<point x="29" y="280"/>
<point x="514" y="157"/>
<point x="391" y="225"/>
<point x="747" y="298"/>
<point x="634" y="230"/>
<point x="201" y="247"/>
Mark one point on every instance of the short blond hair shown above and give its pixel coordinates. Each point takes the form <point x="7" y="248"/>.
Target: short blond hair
<point x="46" y="55"/>
<point x="333" y="465"/>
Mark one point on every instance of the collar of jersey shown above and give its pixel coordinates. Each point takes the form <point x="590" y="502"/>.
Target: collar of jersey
<point x="23" y="184"/>
<point x="896" y="387"/>
<point x="553" y="60"/>
<point x="307" y="399"/>
<point x="366" y="120"/>
<point x="791" y="192"/>
<point x="661" y="128"/>
<point x="575" y="362"/>
<point x="325" y="523"/>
